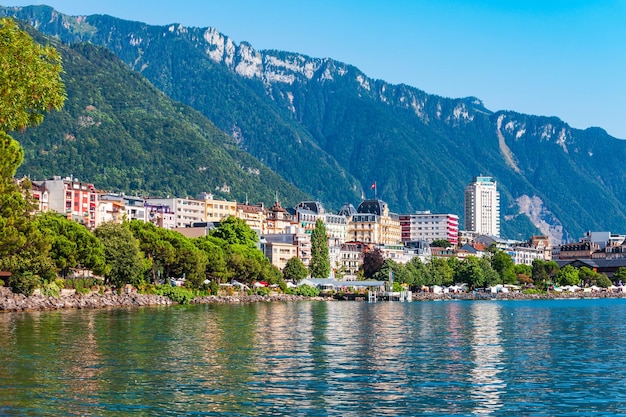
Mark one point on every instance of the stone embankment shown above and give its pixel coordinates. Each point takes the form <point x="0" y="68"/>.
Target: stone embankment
<point x="425" y="296"/>
<point x="19" y="302"/>
<point x="72" y="300"/>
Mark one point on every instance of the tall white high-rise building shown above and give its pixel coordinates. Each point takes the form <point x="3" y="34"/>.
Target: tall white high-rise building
<point x="482" y="207"/>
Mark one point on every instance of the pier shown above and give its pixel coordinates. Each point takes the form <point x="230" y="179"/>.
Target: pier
<point x="374" y="296"/>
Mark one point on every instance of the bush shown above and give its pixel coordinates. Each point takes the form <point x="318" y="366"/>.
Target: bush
<point x="307" y="291"/>
<point x="604" y="281"/>
<point x="263" y="291"/>
<point x="179" y="295"/>
<point x="51" y="290"/>
<point x="24" y="283"/>
<point x="532" y="291"/>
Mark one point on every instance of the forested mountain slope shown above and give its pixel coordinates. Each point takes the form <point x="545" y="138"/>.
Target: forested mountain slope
<point x="330" y="130"/>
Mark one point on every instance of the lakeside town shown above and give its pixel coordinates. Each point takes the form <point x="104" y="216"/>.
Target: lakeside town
<point x="353" y="232"/>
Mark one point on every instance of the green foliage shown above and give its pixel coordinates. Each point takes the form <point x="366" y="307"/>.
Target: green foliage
<point x="568" y="275"/>
<point x="30" y="76"/>
<point x="319" y="266"/>
<point x="262" y="291"/>
<point x="439" y="272"/>
<point x="235" y="231"/>
<point x="471" y="272"/>
<point x="620" y="275"/>
<point x="603" y="281"/>
<point x="81" y="285"/>
<point x="24" y="283"/>
<point x="544" y="271"/>
<point x="50" y="289"/>
<point x="72" y="244"/>
<point x="295" y="270"/>
<point x="179" y="295"/>
<point x="122" y="254"/>
<point x="503" y="264"/>
<point x="441" y="243"/>
<point x="307" y="291"/>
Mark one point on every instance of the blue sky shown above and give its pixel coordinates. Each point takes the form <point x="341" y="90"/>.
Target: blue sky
<point x="564" y="58"/>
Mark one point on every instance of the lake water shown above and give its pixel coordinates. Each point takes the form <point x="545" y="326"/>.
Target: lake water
<point x="540" y="358"/>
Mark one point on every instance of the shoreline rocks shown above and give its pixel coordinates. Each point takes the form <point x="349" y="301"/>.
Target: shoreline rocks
<point x="10" y="302"/>
<point x="19" y="302"/>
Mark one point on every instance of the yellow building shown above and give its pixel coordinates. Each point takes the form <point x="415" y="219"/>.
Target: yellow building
<point x="373" y="223"/>
<point x="254" y="216"/>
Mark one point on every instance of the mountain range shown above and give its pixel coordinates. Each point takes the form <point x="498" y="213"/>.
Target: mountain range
<point x="331" y="131"/>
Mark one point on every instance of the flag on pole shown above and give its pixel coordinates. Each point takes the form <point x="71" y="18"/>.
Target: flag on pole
<point x="373" y="186"/>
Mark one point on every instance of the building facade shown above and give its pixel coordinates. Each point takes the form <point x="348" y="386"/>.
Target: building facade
<point x="75" y="199"/>
<point x="482" y="206"/>
<point x="427" y="226"/>
<point x="373" y="223"/>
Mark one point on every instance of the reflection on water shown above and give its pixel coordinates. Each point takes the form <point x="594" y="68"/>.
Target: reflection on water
<point x="487" y="352"/>
<point x="318" y="358"/>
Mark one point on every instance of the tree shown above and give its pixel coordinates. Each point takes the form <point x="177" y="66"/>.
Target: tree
<point x="441" y="243"/>
<point x="588" y="275"/>
<point x="568" y="275"/>
<point x="439" y="272"/>
<point x="295" y="270"/>
<point x="544" y="271"/>
<point x="373" y="262"/>
<point x="620" y="275"/>
<point x="320" y="257"/>
<point x="216" y="257"/>
<point x="30" y="79"/>
<point x="604" y="281"/>
<point x="235" y="231"/>
<point x="503" y="264"/>
<point x="121" y="250"/>
<point x="471" y="272"/>
<point x="417" y="273"/>
<point x="72" y="244"/>
<point x="30" y="85"/>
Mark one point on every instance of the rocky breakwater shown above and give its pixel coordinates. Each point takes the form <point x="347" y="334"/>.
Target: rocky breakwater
<point x="19" y="302"/>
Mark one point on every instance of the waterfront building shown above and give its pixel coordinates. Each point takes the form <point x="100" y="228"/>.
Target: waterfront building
<point x="428" y="226"/>
<point x="307" y="213"/>
<point x="203" y="209"/>
<point x="578" y="250"/>
<point x="254" y="215"/>
<point x="525" y="254"/>
<point x="75" y="199"/>
<point x="132" y="208"/>
<point x="161" y="216"/>
<point x="350" y="260"/>
<point x="278" y="219"/>
<point x="40" y="195"/>
<point x="482" y="206"/>
<point x="374" y="223"/>
<point x="217" y="210"/>
<point x="281" y="247"/>
<point x="187" y="211"/>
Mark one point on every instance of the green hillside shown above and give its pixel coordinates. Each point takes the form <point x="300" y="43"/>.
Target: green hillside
<point x="119" y="132"/>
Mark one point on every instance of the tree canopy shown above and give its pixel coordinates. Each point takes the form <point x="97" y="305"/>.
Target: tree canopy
<point x="30" y="78"/>
<point x="30" y="85"/>
<point x="320" y="257"/>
